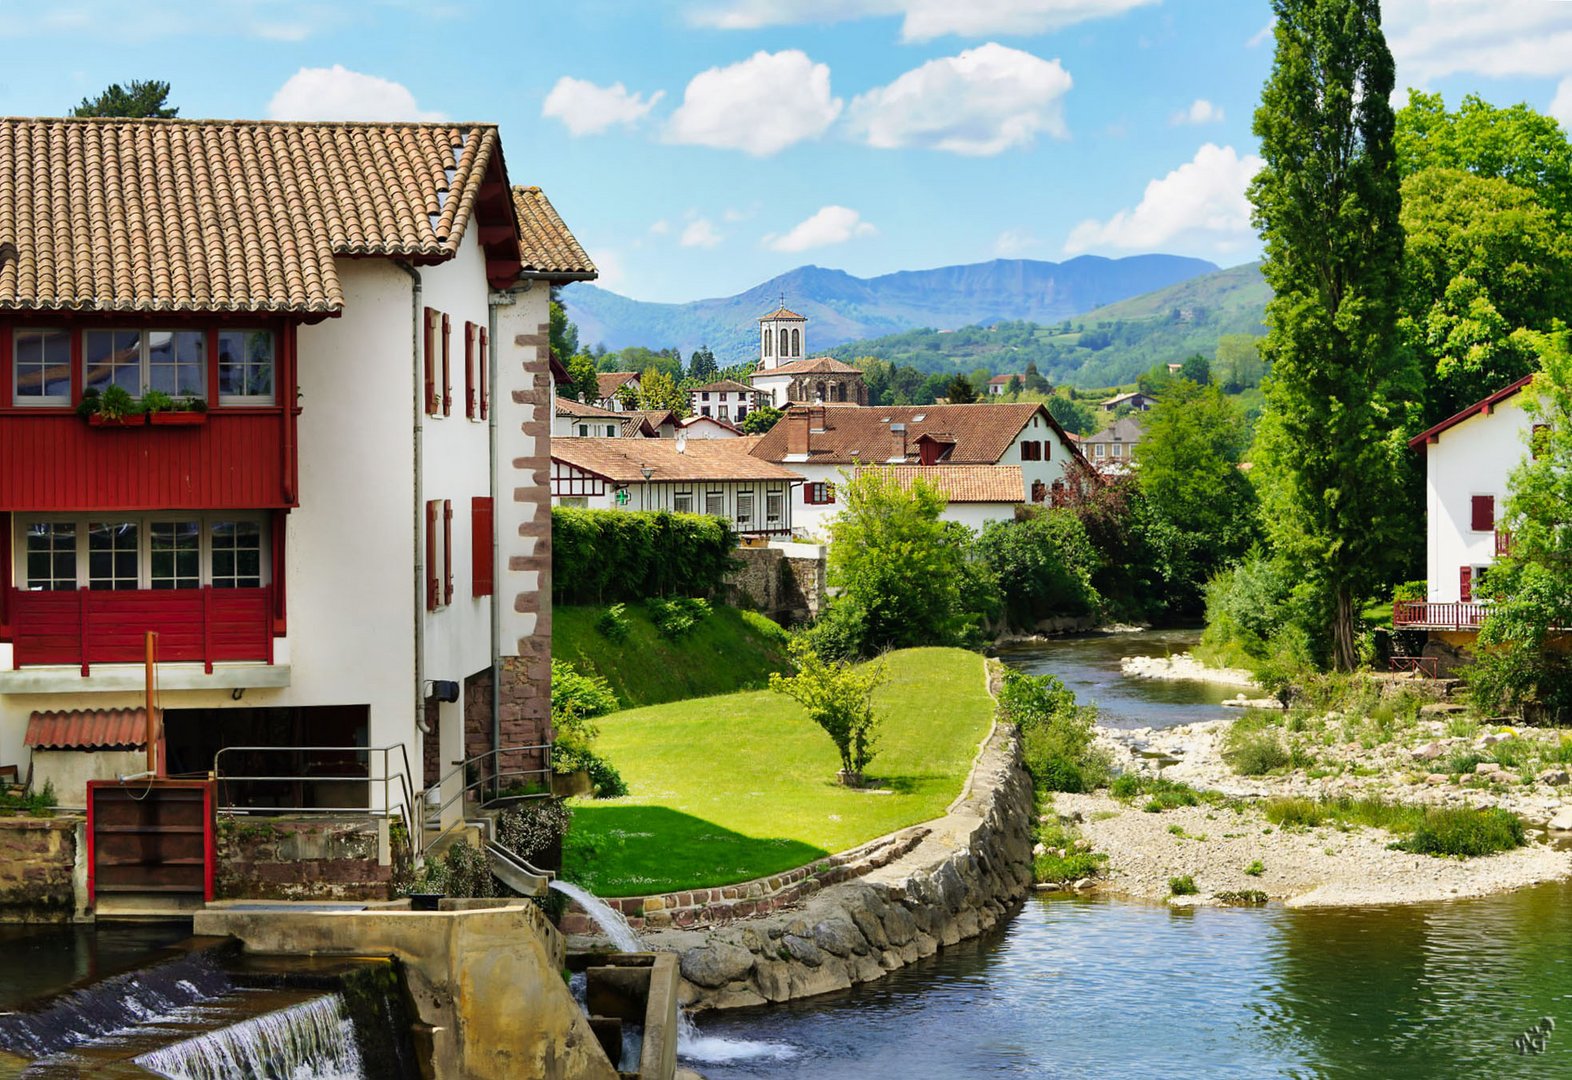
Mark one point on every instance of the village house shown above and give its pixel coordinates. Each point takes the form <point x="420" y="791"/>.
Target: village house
<point x="1027" y="446"/>
<point x="336" y="532"/>
<point x="1135" y="401"/>
<point x="1468" y="461"/>
<point x="999" y="385"/>
<point x="609" y="386"/>
<point x="726" y="400"/>
<point x="575" y="419"/>
<point x="708" y="427"/>
<point x="702" y="477"/>
<point x="1112" y="450"/>
<point x="786" y="376"/>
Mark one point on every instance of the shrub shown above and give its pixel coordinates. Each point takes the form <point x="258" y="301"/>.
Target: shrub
<point x="1055" y="869"/>
<point x="605" y="556"/>
<point x="1255" y="869"/>
<point x="576" y="699"/>
<point x="577" y="695"/>
<point x="1184" y="885"/>
<point x="1057" y="736"/>
<point x="1164" y="794"/>
<point x="1048" y="561"/>
<point x="462" y="871"/>
<point x="1466" y="832"/>
<point x="838" y="696"/>
<point x="1254" y="753"/>
<point x="675" y="619"/>
<point x="534" y="828"/>
<point x="36" y="803"/>
<point x="612" y="624"/>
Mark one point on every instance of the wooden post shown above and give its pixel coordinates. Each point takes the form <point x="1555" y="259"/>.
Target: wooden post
<point x="154" y="758"/>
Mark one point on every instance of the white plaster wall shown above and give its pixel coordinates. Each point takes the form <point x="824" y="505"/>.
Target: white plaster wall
<point x="772" y="388"/>
<point x="1474" y="458"/>
<point x="524" y="317"/>
<point x="1038" y="429"/>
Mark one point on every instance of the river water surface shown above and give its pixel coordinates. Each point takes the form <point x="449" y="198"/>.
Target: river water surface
<point x="1117" y="988"/>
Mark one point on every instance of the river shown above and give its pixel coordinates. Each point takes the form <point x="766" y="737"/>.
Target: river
<point x="1116" y="988"/>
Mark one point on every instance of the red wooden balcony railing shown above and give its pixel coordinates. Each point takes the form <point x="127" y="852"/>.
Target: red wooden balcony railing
<point x="87" y="626"/>
<point x="1440" y="616"/>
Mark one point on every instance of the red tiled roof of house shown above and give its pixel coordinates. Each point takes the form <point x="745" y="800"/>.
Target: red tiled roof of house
<point x="624" y="460"/>
<point x="569" y="407"/>
<point x="725" y="386"/>
<point x="546" y="246"/>
<point x="142" y="215"/>
<point x="87" y="729"/>
<point x="609" y="382"/>
<point x="1002" y="380"/>
<point x="961" y="483"/>
<point x="1485" y="405"/>
<point x="981" y="432"/>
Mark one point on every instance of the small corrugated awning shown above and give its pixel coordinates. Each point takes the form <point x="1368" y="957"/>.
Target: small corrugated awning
<point x="87" y="729"/>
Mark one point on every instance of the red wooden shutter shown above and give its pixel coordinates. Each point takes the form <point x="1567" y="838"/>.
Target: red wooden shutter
<point x="1484" y="513"/>
<point x="480" y="528"/>
<point x="485" y="374"/>
<point x="469" y="370"/>
<point x="431" y="362"/>
<point x="447" y="551"/>
<point x="431" y="556"/>
<point x="280" y="609"/>
<point x="447" y="368"/>
<point x="1465" y="584"/>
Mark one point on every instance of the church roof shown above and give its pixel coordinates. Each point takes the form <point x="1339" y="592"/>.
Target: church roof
<point x="814" y="365"/>
<point x="782" y="312"/>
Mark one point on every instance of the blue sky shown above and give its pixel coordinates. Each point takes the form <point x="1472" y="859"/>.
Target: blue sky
<point x="700" y="146"/>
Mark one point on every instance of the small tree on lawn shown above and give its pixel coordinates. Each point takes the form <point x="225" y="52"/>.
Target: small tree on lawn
<point x="838" y="696"/>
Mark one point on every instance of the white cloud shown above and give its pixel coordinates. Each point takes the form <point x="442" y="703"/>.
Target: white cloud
<point x="1561" y="107"/>
<point x="760" y="106"/>
<point x="982" y="102"/>
<point x="608" y="262"/>
<point x="660" y="228"/>
<point x="922" y="20"/>
<point x="831" y="225"/>
<point x="1262" y="36"/>
<point x="336" y="93"/>
<point x="587" y="109"/>
<point x="1200" y="111"/>
<point x="1431" y="39"/>
<point x="1014" y="242"/>
<point x="701" y="232"/>
<point x="1200" y="205"/>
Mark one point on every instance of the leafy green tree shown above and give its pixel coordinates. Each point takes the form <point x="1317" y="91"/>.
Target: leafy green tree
<point x="1197" y="368"/>
<point x="1014" y="386"/>
<point x="960" y="391"/>
<point x="1155" y="380"/>
<point x="1189" y="455"/>
<point x="897" y="573"/>
<point x="1483" y="259"/>
<point x="564" y="334"/>
<point x="628" y="396"/>
<point x="1237" y="364"/>
<point x="137" y="99"/>
<point x="838" y="696"/>
<point x="1044" y="565"/>
<point x="1517" y="664"/>
<point x="1034" y="380"/>
<point x="701" y="365"/>
<point x="1327" y="204"/>
<point x="1515" y="144"/>
<point x="760" y="420"/>
<point x="658" y="390"/>
<point x="583" y="385"/>
<point x="1073" y="416"/>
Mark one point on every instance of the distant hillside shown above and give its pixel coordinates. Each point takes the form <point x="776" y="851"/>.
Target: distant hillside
<point x="1105" y="347"/>
<point x="844" y="308"/>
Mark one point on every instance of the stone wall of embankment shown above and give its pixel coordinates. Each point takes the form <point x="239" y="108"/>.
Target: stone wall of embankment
<point x="964" y="873"/>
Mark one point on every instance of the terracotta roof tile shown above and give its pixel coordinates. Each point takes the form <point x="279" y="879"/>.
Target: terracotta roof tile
<point x="547" y="247"/>
<point x="813" y="365"/>
<point x="569" y="407"/>
<point x="87" y="729"/>
<point x="204" y="215"/>
<point x="961" y="483"/>
<point x="623" y="460"/>
<point x="727" y="386"/>
<point x="609" y="382"/>
<point x="981" y="433"/>
<point x="782" y="312"/>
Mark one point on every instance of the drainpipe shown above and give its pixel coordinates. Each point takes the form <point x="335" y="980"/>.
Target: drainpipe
<point x="417" y="399"/>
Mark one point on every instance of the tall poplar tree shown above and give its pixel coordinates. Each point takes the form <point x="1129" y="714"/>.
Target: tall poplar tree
<point x="1327" y="205"/>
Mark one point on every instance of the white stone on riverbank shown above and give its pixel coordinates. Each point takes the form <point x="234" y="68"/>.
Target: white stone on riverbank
<point x="1320" y="867"/>
<point x="1184" y="667"/>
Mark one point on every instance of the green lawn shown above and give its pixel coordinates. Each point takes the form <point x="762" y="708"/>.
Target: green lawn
<point x="730" y="650"/>
<point x="734" y="787"/>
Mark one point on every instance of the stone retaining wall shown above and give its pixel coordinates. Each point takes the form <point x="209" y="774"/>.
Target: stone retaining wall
<point x="37" y="860"/>
<point x="282" y="858"/>
<point x="965" y="872"/>
<point x="785" y="585"/>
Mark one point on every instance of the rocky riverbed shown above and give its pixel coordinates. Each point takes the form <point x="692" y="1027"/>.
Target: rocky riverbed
<point x="1439" y="758"/>
<point x="1186" y="668"/>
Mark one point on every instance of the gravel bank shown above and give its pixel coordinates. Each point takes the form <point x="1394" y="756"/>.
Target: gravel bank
<point x="1321" y="867"/>
<point x="1184" y="667"/>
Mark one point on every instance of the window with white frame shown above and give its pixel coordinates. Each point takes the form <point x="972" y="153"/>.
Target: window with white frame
<point x="158" y="551"/>
<point x="245" y="367"/>
<point x="744" y="508"/>
<point x="42" y="366"/>
<point x="584" y="430"/>
<point x="682" y="502"/>
<point x="774" y="504"/>
<point x="171" y="361"/>
<point x="715" y="503"/>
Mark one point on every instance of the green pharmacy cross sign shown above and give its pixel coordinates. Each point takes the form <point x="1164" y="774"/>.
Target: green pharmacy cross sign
<point x="622" y="496"/>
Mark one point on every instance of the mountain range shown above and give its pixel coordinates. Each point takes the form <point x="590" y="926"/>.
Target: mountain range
<point x="842" y="308"/>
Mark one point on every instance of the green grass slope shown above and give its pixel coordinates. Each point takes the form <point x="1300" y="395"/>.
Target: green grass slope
<point x="729" y="788"/>
<point x="731" y="650"/>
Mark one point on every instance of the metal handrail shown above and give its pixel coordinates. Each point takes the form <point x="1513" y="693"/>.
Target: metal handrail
<point x="403" y="810"/>
<point x="422" y="810"/>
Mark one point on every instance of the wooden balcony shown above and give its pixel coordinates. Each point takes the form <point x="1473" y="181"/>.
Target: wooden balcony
<point x="1423" y="615"/>
<point x="85" y="627"/>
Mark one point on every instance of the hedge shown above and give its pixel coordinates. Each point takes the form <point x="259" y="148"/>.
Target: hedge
<point x="607" y="556"/>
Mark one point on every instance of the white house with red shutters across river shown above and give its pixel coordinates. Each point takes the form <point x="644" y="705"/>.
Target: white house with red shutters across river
<point x="343" y="541"/>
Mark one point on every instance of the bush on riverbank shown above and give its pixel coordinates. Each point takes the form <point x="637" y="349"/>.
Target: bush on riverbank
<point x="1057" y="735"/>
<point x="1066" y="857"/>
<point x="1427" y="830"/>
<point x="1162" y="794"/>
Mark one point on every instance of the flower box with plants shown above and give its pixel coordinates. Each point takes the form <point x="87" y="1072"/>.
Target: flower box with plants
<point x="113" y="407"/>
<point x="163" y="410"/>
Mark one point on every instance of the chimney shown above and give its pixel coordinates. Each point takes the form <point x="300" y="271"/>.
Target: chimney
<point x="898" y="442"/>
<point x="816" y="416"/>
<point x="797" y="425"/>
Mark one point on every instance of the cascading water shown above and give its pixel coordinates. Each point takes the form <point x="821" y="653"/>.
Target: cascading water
<point x="313" y="1040"/>
<point x="691" y="1043"/>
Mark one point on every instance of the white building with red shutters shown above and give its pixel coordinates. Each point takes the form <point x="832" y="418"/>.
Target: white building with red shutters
<point x="346" y="544"/>
<point x="1469" y="459"/>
